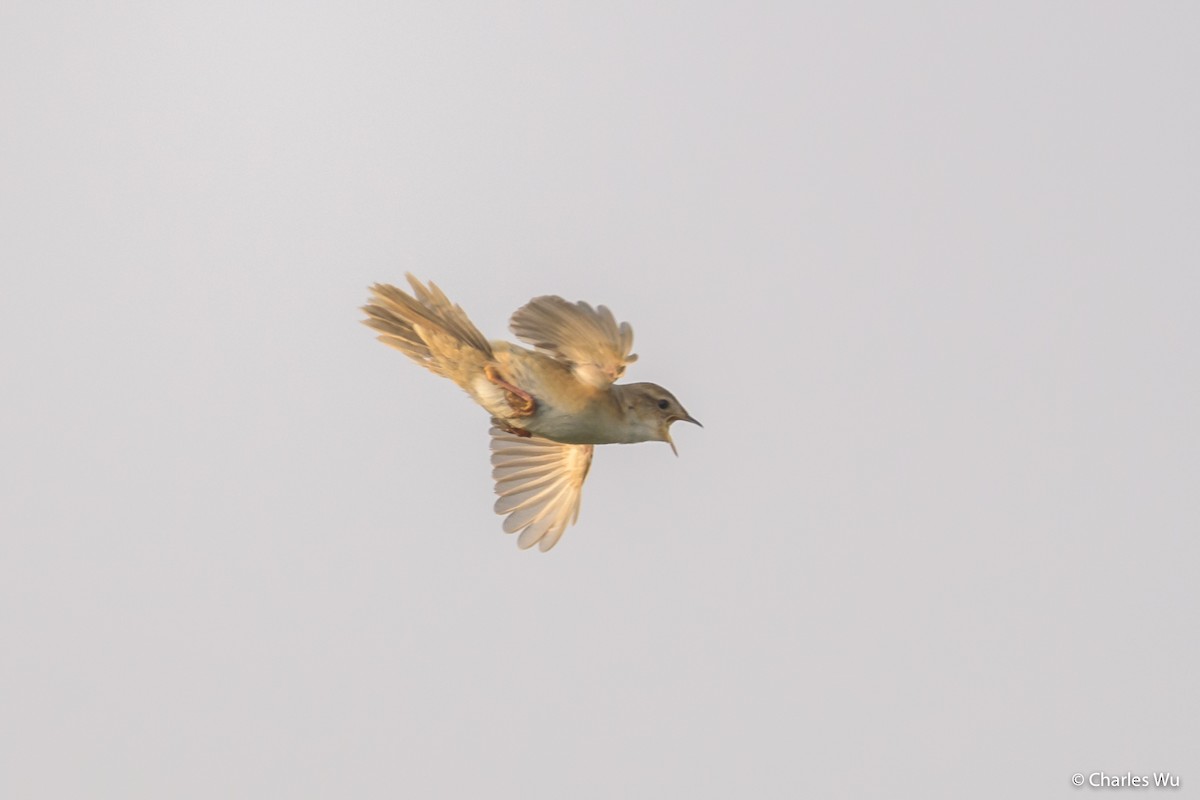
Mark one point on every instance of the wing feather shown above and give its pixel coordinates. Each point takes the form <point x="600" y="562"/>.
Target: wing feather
<point x="589" y="339"/>
<point x="539" y="483"/>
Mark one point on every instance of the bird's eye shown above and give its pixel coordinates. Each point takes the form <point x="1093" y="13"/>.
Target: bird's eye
<point x="664" y="405"/>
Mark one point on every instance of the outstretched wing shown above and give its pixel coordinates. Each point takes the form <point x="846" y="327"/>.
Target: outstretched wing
<point x="589" y="339"/>
<point x="539" y="483"/>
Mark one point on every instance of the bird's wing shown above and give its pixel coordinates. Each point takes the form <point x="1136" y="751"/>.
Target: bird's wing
<point x="539" y="483"/>
<point x="589" y="339"/>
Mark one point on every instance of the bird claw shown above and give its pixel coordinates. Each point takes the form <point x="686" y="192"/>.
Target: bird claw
<point x="509" y="428"/>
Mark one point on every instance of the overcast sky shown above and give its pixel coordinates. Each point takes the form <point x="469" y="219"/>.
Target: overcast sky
<point x="928" y="275"/>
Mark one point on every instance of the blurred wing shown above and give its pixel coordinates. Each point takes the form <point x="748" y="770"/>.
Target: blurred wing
<point x="539" y="483"/>
<point x="589" y="339"/>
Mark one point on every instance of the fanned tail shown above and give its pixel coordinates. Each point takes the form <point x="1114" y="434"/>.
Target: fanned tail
<point x="425" y="326"/>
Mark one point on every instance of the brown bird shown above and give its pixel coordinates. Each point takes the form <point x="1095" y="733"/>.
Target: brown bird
<point x="549" y="405"/>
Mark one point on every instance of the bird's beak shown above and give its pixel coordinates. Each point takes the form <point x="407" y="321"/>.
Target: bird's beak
<point x="667" y="429"/>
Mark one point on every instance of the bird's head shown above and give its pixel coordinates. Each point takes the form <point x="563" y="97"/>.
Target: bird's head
<point x="651" y="409"/>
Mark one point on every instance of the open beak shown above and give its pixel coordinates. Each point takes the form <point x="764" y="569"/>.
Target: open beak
<point x="667" y="430"/>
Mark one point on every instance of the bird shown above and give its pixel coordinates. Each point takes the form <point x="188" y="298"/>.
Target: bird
<point x="550" y="403"/>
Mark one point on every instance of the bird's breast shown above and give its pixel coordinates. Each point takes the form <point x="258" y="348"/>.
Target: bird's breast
<point x="574" y="427"/>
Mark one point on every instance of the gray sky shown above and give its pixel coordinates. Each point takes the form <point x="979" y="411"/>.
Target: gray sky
<point x="928" y="275"/>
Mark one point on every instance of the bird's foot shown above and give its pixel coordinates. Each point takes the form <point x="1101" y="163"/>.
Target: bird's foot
<point x="515" y="431"/>
<point x="521" y="402"/>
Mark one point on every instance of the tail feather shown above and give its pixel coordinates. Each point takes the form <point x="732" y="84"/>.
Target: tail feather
<point x="410" y="324"/>
<point x="399" y="333"/>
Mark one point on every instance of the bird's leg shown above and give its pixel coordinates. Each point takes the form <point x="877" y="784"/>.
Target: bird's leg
<point x="521" y="402"/>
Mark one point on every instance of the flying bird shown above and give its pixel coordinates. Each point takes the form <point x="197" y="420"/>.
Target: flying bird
<point x="549" y="405"/>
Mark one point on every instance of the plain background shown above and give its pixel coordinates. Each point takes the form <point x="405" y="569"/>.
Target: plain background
<point x="928" y="274"/>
